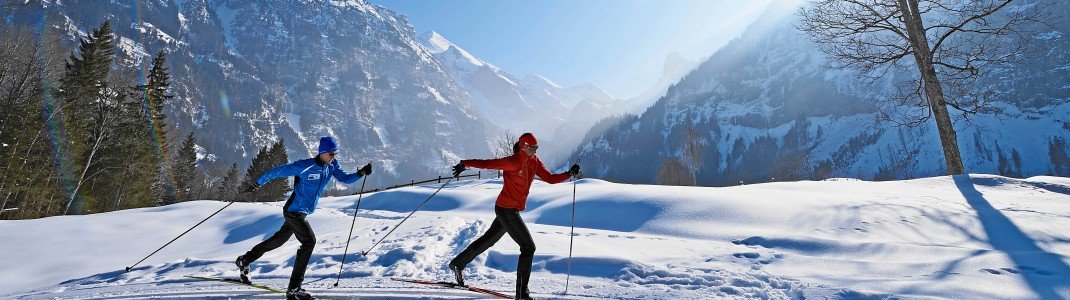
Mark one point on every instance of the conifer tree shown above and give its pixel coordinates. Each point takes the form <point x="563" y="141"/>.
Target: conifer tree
<point x="185" y="168"/>
<point x="85" y="111"/>
<point x="275" y="190"/>
<point x="228" y="186"/>
<point x="156" y="94"/>
<point x="257" y="167"/>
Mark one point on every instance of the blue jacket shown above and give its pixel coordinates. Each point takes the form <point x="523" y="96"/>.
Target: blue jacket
<point x="310" y="179"/>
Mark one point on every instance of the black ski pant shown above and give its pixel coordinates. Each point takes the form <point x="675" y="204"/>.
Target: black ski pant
<point x="295" y="225"/>
<point x="507" y="220"/>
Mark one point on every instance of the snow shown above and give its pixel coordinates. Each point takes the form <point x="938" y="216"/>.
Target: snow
<point x="134" y="49"/>
<point x="226" y="20"/>
<point x="962" y="237"/>
<point x="202" y="154"/>
<point x="432" y="92"/>
<point x="434" y="42"/>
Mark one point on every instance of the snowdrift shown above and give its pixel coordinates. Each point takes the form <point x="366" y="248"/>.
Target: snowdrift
<point x="962" y="237"/>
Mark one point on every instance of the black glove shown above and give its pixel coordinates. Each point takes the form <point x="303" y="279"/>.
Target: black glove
<point x="574" y="170"/>
<point x="252" y="187"/>
<point x="457" y="169"/>
<point x="366" y="170"/>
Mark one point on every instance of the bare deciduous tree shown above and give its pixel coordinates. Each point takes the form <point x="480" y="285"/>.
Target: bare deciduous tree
<point x="674" y="172"/>
<point x="692" y="149"/>
<point x="949" y="42"/>
<point x="503" y="144"/>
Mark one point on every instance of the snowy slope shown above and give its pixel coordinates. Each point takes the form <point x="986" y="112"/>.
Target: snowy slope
<point x="766" y="107"/>
<point x="967" y="237"/>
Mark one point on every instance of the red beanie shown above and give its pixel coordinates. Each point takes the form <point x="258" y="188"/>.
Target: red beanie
<point x="528" y="139"/>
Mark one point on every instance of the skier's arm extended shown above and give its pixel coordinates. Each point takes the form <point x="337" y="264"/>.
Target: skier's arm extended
<point x="342" y="176"/>
<point x="505" y="163"/>
<point x="545" y="175"/>
<point x="287" y="170"/>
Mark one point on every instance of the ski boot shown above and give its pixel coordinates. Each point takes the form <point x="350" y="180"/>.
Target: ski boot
<point x="524" y="296"/>
<point x="457" y="274"/>
<point x="298" y="293"/>
<point x="243" y="266"/>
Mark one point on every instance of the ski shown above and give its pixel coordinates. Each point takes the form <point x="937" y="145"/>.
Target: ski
<point x="452" y="285"/>
<point x="235" y="281"/>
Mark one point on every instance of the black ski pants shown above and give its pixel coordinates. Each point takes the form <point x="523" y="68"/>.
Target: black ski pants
<point x="507" y="220"/>
<point x="295" y="225"/>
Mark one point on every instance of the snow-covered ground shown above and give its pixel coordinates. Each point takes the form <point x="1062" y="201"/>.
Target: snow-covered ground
<point x="964" y="237"/>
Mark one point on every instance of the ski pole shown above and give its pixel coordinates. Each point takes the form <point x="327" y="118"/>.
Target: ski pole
<point x="180" y="235"/>
<point x="361" y="194"/>
<point x="568" y="273"/>
<point x="406" y="217"/>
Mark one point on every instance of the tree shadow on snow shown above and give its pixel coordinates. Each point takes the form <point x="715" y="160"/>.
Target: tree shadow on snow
<point x="1006" y="237"/>
<point x="248" y="228"/>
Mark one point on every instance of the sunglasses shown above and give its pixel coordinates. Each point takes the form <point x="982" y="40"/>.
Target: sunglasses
<point x="533" y="147"/>
<point x="333" y="154"/>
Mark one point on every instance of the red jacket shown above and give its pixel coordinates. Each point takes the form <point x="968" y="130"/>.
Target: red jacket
<point x="519" y="171"/>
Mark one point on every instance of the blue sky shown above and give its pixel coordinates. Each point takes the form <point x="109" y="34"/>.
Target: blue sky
<point x="619" y="45"/>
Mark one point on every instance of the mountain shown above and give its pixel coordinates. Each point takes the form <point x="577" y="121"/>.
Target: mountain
<point x="248" y="73"/>
<point x="587" y="116"/>
<point x="766" y="108"/>
<point x="530" y="104"/>
<point x="674" y="68"/>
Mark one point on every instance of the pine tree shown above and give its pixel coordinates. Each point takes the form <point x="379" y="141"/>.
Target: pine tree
<point x="85" y="111"/>
<point x="228" y="186"/>
<point x="257" y="167"/>
<point x="276" y="189"/>
<point x="1057" y="154"/>
<point x="155" y="97"/>
<point x="130" y="167"/>
<point x="156" y="94"/>
<point x="185" y="168"/>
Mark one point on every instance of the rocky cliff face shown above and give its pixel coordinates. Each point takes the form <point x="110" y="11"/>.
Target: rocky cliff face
<point x="248" y="73"/>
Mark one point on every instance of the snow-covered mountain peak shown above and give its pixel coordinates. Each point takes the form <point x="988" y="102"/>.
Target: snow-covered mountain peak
<point x="591" y="92"/>
<point x="540" y="81"/>
<point x="434" y="42"/>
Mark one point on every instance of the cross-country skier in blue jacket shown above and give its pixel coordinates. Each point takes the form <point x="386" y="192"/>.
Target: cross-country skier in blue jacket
<point x="311" y="176"/>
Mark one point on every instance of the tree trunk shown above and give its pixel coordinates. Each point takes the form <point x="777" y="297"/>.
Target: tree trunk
<point x="933" y="91"/>
<point x="88" y="163"/>
<point x="4" y="206"/>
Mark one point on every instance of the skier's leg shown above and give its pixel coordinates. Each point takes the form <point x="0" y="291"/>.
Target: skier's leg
<point x="304" y="233"/>
<point x="493" y="234"/>
<point x="280" y="237"/>
<point x="514" y="225"/>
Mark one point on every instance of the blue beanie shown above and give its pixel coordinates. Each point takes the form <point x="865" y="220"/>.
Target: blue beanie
<point x="327" y="144"/>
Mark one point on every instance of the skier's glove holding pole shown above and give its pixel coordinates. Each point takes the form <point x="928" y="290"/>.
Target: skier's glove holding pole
<point x="457" y="169"/>
<point x="366" y="170"/>
<point x="574" y="170"/>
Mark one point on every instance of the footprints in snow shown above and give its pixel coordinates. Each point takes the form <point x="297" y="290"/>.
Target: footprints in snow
<point x="756" y="258"/>
<point x="1021" y="269"/>
<point x="615" y="236"/>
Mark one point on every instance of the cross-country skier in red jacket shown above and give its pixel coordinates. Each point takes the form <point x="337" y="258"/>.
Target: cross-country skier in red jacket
<point x="519" y="171"/>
